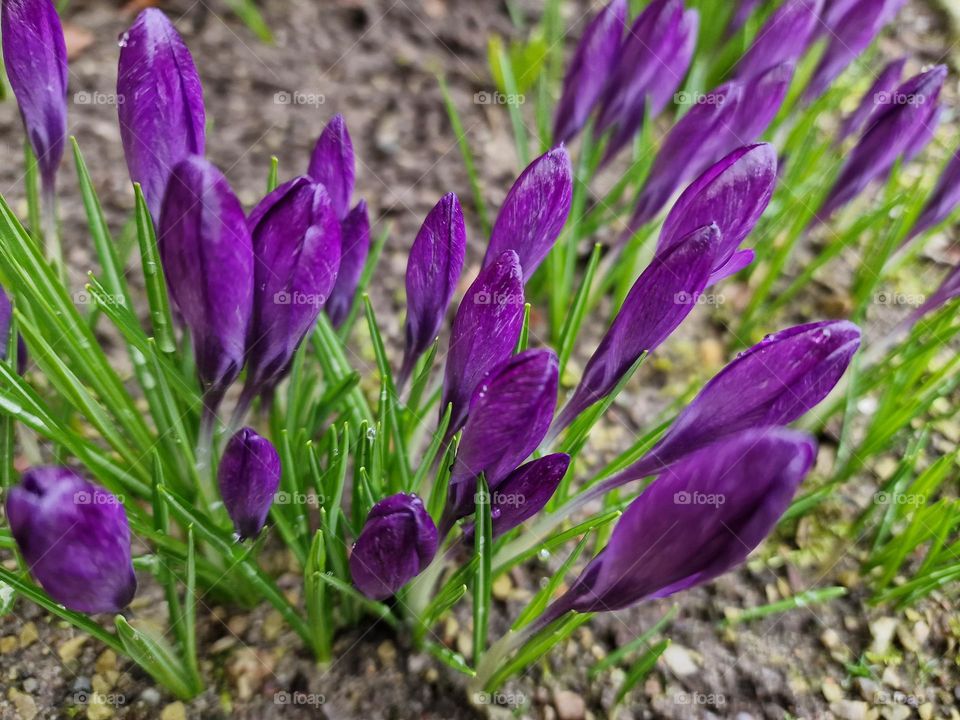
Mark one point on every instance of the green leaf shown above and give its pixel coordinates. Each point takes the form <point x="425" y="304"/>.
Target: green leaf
<point x="449" y="658"/>
<point x="641" y="669"/>
<point x="153" y="276"/>
<point x="634" y="645"/>
<point x="151" y="652"/>
<point x="482" y="579"/>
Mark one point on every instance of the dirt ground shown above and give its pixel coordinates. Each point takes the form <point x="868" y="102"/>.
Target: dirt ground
<point x="375" y="61"/>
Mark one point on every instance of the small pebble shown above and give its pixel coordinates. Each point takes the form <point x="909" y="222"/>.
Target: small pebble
<point x="174" y="711"/>
<point x="28" y="635"/>
<point x="569" y="705"/>
<point x="71" y="648"/>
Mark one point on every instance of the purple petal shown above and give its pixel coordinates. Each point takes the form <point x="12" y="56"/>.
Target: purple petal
<point x="207" y="258"/>
<point x="248" y="476"/>
<point x="355" y="236"/>
<point x="737" y="262"/>
<point x="589" y="70"/>
<point x="159" y="103"/>
<point x="878" y="94"/>
<point x="433" y="271"/>
<point x="526" y="491"/>
<point x="332" y="164"/>
<point x="398" y="541"/>
<point x="485" y="331"/>
<point x="510" y="414"/>
<point x="296" y="246"/>
<point x="943" y="200"/>
<point x="75" y="538"/>
<point x="784" y="37"/>
<point x="534" y="211"/>
<point x="772" y="383"/>
<point x="948" y="290"/>
<point x="894" y="127"/>
<point x="847" y="38"/>
<point x="732" y="194"/>
<point x="742" y="12"/>
<point x="662" y="297"/>
<point x="35" y="57"/>
<point x="698" y="520"/>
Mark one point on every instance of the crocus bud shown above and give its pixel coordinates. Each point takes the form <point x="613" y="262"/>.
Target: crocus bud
<point x="698" y="520"/>
<point x="732" y="194"/>
<point x="947" y="291"/>
<point x="651" y="63"/>
<point x="296" y="247"/>
<point x="534" y="211"/>
<point x="661" y="298"/>
<point x="773" y="383"/>
<point x="433" y="270"/>
<point x="943" y="199"/>
<point x="75" y="539"/>
<point x="589" y="70"/>
<point x="879" y="94"/>
<point x="397" y="543"/>
<point x="332" y="164"/>
<point x="735" y="113"/>
<point x="893" y="128"/>
<point x="355" y="237"/>
<point x="35" y="57"/>
<point x="485" y="331"/>
<point x="159" y="103"/>
<point x="249" y="475"/>
<point x="848" y="34"/>
<point x="784" y="37"/>
<point x="510" y="414"/>
<point x="207" y="258"/>
<point x="526" y="491"/>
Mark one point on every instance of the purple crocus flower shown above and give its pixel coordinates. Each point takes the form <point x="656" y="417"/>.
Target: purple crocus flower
<point x="589" y="70"/>
<point x="355" y="237"/>
<point x="485" y="331"/>
<point x="159" y="103"/>
<point x="698" y="520"/>
<point x="784" y="37"/>
<point x="75" y="538"/>
<point x="942" y="201"/>
<point x="773" y="383"/>
<point x="733" y="194"/>
<point x="534" y="211"/>
<point x="296" y="247"/>
<point x="332" y="164"/>
<point x="662" y="297"/>
<point x="397" y="543"/>
<point x="35" y="56"/>
<point x="847" y="37"/>
<point x="249" y="476"/>
<point x="652" y="62"/>
<point x="948" y="290"/>
<point x="878" y="95"/>
<point x="207" y="258"/>
<point x="892" y="130"/>
<point x="523" y="493"/>
<point x="734" y="114"/>
<point x="510" y="414"/>
<point x="433" y="270"/>
<point x="741" y="13"/>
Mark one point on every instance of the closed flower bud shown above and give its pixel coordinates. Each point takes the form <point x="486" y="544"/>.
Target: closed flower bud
<point x="398" y="541"/>
<point x="249" y="475"/>
<point x="35" y="57"/>
<point x="296" y="247"/>
<point x="784" y="37"/>
<point x="159" y="103"/>
<point x="355" y="237"/>
<point x="75" y="538"/>
<point x="433" y="271"/>
<point x="878" y="95"/>
<point x="332" y="165"/>
<point x="207" y="258"/>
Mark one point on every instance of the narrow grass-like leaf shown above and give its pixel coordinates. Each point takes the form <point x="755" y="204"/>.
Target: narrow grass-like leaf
<point x="153" y="277"/>
<point x="482" y="580"/>
<point x="641" y="669"/>
<point x="155" y="655"/>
